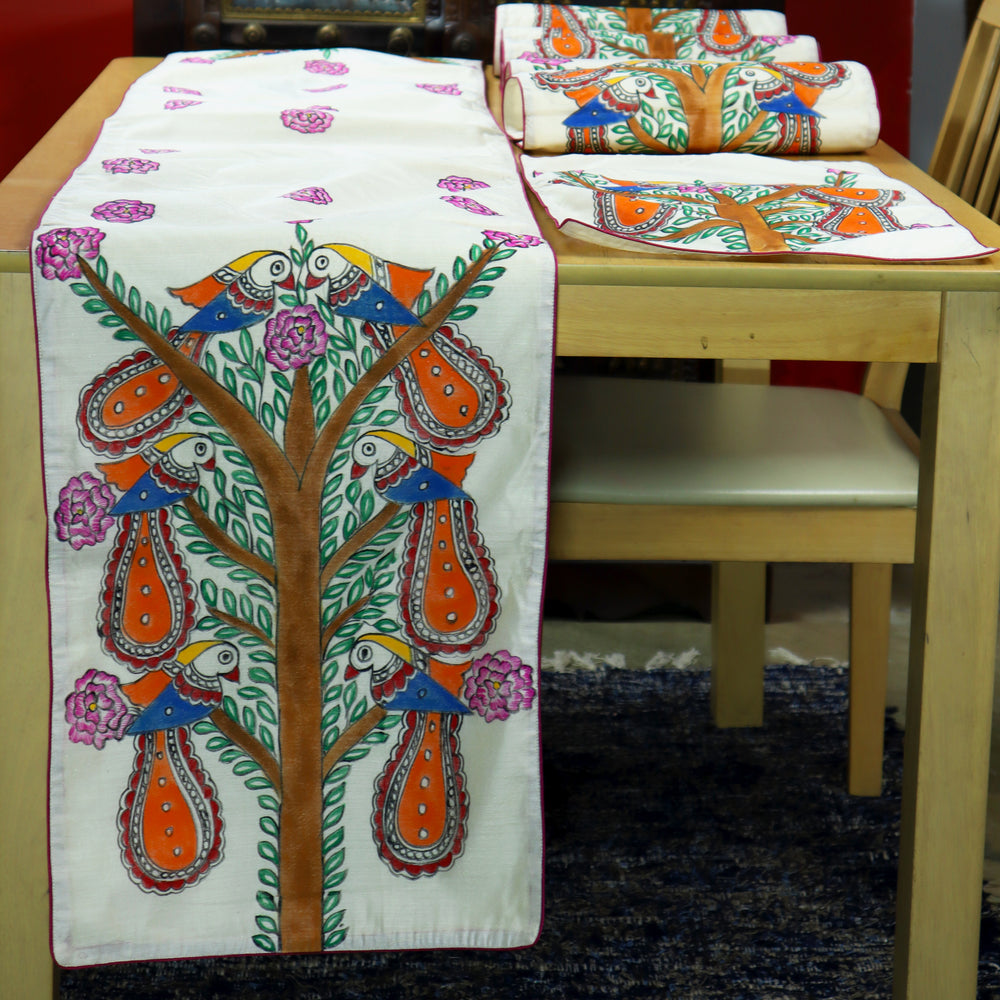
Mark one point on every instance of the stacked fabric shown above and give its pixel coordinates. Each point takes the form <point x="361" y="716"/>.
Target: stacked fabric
<point x="615" y="80"/>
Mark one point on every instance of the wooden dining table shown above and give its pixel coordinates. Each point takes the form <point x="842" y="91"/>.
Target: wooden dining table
<point x="619" y="303"/>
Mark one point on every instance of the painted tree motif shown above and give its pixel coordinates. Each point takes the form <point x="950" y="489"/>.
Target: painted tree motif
<point x="739" y="218"/>
<point x="691" y="107"/>
<point x="286" y="512"/>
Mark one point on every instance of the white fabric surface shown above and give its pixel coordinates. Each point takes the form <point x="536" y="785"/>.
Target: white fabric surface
<point x="212" y="157"/>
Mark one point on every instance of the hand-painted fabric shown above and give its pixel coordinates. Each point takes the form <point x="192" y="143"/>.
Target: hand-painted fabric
<point x="735" y="204"/>
<point x="532" y="49"/>
<point x="295" y="327"/>
<point x="666" y="106"/>
<point x="570" y="30"/>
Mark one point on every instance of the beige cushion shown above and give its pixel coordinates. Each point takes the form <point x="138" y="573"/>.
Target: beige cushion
<point x="644" y="441"/>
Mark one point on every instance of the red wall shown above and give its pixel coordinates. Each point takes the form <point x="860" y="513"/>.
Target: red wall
<point x="49" y="53"/>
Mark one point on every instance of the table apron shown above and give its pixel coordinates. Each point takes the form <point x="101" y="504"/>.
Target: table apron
<point x="787" y="324"/>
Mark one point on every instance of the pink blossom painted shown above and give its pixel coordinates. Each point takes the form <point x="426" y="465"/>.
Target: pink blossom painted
<point x="499" y="684"/>
<point x="294" y="337"/>
<point x="181" y="90"/>
<point x="82" y="516"/>
<point x="124" y="210"/>
<point x="453" y="183"/>
<point x="441" y="88"/>
<point x="58" y="249"/>
<point x="129" y="165"/>
<point x="512" y="239"/>
<point x="177" y="104"/>
<point x="326" y="66"/>
<point x="309" y="121"/>
<point x="96" y="710"/>
<point x="314" y="195"/>
<point x="469" y="204"/>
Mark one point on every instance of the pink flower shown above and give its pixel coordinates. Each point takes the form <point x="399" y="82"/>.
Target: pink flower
<point x="469" y="204"/>
<point x="82" y="517"/>
<point x="315" y="195"/>
<point x="129" y="165"/>
<point x="454" y="183"/>
<point x="96" y="710"/>
<point x="325" y="66"/>
<point x="294" y="337"/>
<point x="182" y="90"/>
<point x="176" y="105"/>
<point x="499" y="684"/>
<point x="440" y="88"/>
<point x="58" y="249"/>
<point x="124" y="210"/>
<point x="512" y="240"/>
<point x="307" y="120"/>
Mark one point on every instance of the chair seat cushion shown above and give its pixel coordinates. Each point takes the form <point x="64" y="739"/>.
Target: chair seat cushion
<point x="645" y="441"/>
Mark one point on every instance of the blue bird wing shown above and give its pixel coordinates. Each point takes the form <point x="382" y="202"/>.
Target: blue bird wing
<point x="168" y="711"/>
<point x="220" y="315"/>
<point x="377" y="305"/>
<point x="424" y="694"/>
<point x="595" y="113"/>
<point x="787" y="104"/>
<point x="146" y="494"/>
<point x="422" y="486"/>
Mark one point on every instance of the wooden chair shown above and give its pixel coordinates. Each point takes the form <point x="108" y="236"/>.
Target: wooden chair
<point x="742" y="475"/>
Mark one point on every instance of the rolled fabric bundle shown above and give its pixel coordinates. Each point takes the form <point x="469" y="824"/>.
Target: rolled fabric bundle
<point x="573" y="26"/>
<point x="533" y="49"/>
<point x="669" y="106"/>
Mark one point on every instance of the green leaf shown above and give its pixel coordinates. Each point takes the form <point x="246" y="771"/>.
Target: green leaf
<point x="118" y="286"/>
<point x="268" y="924"/>
<point x="246" y="346"/>
<point x="166" y="322"/>
<point x="268" y="851"/>
<point x="269" y="825"/>
<point x="102" y="269"/>
<point x="441" y="287"/>
<point x="492" y="273"/>
<point x="112" y="321"/>
<point x="478" y="292"/>
<point x="246" y="767"/>
<point x="458" y="268"/>
<point x="266" y="901"/>
<point x="333" y="921"/>
<point x="257" y="782"/>
<point x="462" y="312"/>
<point x="268" y="802"/>
<point x="267" y="944"/>
<point x="95" y="306"/>
<point x="268" y="877"/>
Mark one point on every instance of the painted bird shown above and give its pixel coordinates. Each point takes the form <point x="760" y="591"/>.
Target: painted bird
<point x="138" y="397"/>
<point x="449" y="598"/>
<point x="147" y="602"/>
<point x="620" y="100"/>
<point x="170" y="821"/>
<point x="450" y="394"/>
<point x="420" y="806"/>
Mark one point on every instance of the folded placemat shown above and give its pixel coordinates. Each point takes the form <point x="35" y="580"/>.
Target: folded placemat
<point x="735" y="204"/>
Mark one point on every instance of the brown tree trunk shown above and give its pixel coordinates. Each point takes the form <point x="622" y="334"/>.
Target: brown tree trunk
<point x="300" y="701"/>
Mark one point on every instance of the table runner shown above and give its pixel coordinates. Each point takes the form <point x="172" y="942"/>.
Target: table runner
<point x="295" y="338"/>
<point x="672" y="106"/>
<point x="742" y="205"/>
<point x="571" y="29"/>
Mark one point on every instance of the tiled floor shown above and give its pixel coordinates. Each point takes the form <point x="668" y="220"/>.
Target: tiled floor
<point x="650" y="615"/>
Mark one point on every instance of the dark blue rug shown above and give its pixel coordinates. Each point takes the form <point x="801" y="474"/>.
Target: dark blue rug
<point x="682" y="862"/>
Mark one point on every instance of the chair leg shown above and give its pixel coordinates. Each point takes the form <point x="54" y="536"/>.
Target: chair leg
<point x="871" y="600"/>
<point x="738" y="598"/>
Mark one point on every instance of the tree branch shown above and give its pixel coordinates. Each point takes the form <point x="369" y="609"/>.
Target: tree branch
<point x="241" y="624"/>
<point x="329" y="437"/>
<point x="650" y="142"/>
<point x="355" y="734"/>
<point x="356" y="542"/>
<point x="225" y="544"/>
<point x="250" y="745"/>
<point x="345" y="616"/>
<point x="265" y="456"/>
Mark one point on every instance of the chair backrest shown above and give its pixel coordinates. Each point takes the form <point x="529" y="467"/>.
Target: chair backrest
<point x="966" y="158"/>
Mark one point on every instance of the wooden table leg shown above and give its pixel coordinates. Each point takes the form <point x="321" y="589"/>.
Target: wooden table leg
<point x="26" y="968"/>
<point x="952" y="650"/>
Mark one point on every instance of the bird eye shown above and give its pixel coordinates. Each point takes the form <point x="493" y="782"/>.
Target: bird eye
<point x="226" y="656"/>
<point x="322" y="262"/>
<point x="200" y="448"/>
<point x="363" y="653"/>
<point x="368" y="448"/>
<point x="641" y="81"/>
<point x="278" y="267"/>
